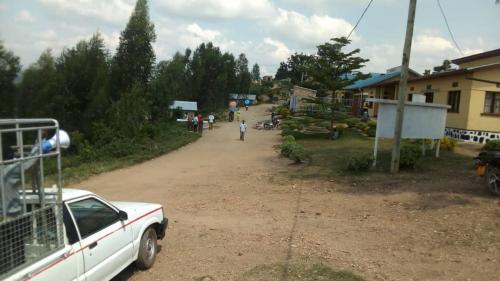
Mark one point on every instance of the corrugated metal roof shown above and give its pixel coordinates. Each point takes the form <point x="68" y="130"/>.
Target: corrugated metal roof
<point x="373" y="79"/>
<point x="242" y="96"/>
<point x="185" y="105"/>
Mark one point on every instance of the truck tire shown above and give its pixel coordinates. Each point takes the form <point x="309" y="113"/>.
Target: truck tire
<point x="147" y="249"/>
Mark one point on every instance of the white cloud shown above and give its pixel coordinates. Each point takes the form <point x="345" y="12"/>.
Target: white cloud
<point x="25" y="16"/>
<point x="219" y="9"/>
<point x="115" y="11"/>
<point x="425" y="43"/>
<point x="204" y="34"/>
<point x="309" y="31"/>
<point x="275" y="51"/>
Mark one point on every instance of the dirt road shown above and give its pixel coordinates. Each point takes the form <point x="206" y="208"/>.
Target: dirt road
<point x="231" y="210"/>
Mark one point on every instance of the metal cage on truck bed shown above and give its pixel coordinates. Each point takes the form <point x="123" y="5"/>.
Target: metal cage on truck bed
<point x="31" y="218"/>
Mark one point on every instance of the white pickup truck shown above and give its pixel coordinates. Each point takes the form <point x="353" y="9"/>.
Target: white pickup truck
<point x="101" y="239"/>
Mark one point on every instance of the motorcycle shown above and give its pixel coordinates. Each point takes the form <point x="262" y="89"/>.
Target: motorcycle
<point x="488" y="165"/>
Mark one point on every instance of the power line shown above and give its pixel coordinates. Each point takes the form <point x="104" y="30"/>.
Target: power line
<point x="449" y="29"/>
<point x="360" y="18"/>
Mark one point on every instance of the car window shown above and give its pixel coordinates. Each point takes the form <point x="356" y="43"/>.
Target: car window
<point x="71" y="233"/>
<point x="91" y="215"/>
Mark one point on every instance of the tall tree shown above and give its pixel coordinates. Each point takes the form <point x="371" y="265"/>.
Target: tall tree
<point x="334" y="69"/>
<point x="256" y="72"/>
<point x="135" y="57"/>
<point x="298" y="65"/>
<point x="82" y="92"/>
<point x="445" y="66"/>
<point x="9" y="68"/>
<point x="170" y="82"/>
<point x="132" y="70"/>
<point x="282" y="72"/>
<point x="243" y="75"/>
<point x="38" y="88"/>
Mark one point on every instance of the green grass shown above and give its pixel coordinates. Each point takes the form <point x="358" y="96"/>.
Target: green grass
<point x="75" y="168"/>
<point x="298" y="272"/>
<point x="329" y="158"/>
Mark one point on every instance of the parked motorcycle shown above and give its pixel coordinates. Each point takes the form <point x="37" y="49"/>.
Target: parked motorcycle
<point x="488" y="165"/>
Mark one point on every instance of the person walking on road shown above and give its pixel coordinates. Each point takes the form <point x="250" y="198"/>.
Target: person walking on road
<point x="200" y="123"/>
<point x="211" y="119"/>
<point x="238" y="113"/>
<point x="243" y="129"/>
<point x="190" y="121"/>
<point x="195" y="124"/>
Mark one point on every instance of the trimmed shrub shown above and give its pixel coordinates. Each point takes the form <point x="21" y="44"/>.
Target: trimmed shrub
<point x="288" y="138"/>
<point x="359" y="162"/>
<point x="298" y="153"/>
<point x="351" y="122"/>
<point x="284" y="112"/>
<point x="287" y="147"/>
<point x="409" y="156"/>
<point x="448" y="144"/>
<point x="492" y="145"/>
<point x="371" y="128"/>
<point x="292" y="150"/>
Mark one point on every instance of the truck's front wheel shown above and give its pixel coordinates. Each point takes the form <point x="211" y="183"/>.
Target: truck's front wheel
<point x="147" y="249"/>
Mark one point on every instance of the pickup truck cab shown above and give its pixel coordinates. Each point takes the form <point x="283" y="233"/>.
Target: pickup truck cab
<point x="101" y="239"/>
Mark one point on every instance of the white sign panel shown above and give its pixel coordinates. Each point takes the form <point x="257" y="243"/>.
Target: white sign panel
<point x="421" y="120"/>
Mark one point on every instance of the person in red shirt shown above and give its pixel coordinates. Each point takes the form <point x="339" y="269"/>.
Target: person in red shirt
<point x="200" y="123"/>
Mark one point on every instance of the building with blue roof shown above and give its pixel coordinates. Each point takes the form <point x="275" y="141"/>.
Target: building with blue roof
<point x="355" y="95"/>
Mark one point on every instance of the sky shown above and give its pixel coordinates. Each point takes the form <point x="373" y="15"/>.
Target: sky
<point x="267" y="31"/>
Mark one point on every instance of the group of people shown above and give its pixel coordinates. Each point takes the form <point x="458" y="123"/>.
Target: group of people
<point x="195" y="122"/>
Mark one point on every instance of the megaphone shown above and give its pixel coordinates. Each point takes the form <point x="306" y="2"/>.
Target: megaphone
<point x="50" y="144"/>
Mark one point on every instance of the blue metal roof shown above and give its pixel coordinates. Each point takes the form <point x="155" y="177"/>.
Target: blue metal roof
<point x="373" y="79"/>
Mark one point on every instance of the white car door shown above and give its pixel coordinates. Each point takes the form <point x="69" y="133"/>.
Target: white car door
<point x="106" y="240"/>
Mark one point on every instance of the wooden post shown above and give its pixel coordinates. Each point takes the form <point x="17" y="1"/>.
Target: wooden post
<point x="375" y="151"/>
<point x="438" y="146"/>
<point x="398" y="128"/>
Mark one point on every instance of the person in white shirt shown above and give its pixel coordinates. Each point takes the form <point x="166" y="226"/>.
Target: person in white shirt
<point x="243" y="129"/>
<point x="211" y="119"/>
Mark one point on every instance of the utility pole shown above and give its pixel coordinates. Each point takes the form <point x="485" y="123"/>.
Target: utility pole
<point x="398" y="128"/>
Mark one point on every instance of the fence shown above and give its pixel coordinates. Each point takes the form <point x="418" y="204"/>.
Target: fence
<point x="31" y="219"/>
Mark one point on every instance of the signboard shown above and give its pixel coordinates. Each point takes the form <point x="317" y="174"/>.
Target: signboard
<point x="421" y="120"/>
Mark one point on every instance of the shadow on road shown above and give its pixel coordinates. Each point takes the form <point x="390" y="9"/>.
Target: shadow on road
<point x="286" y="267"/>
<point x="128" y="272"/>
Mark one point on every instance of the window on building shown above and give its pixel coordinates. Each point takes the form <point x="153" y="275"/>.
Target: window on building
<point x="429" y="97"/>
<point x="410" y="97"/>
<point x="454" y="101"/>
<point x="492" y="103"/>
<point x="454" y="84"/>
<point x="428" y="87"/>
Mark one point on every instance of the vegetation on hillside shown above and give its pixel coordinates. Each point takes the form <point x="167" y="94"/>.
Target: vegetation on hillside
<point x="107" y="102"/>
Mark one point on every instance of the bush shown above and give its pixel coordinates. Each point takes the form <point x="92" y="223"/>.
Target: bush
<point x="360" y="162"/>
<point x="351" y="122"/>
<point x="298" y="153"/>
<point x="492" y="145"/>
<point x="371" y="132"/>
<point x="370" y="128"/>
<point x="288" y="138"/>
<point x="292" y="150"/>
<point x="283" y="112"/>
<point x="448" y="144"/>
<point x="286" y="148"/>
<point x="409" y="156"/>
